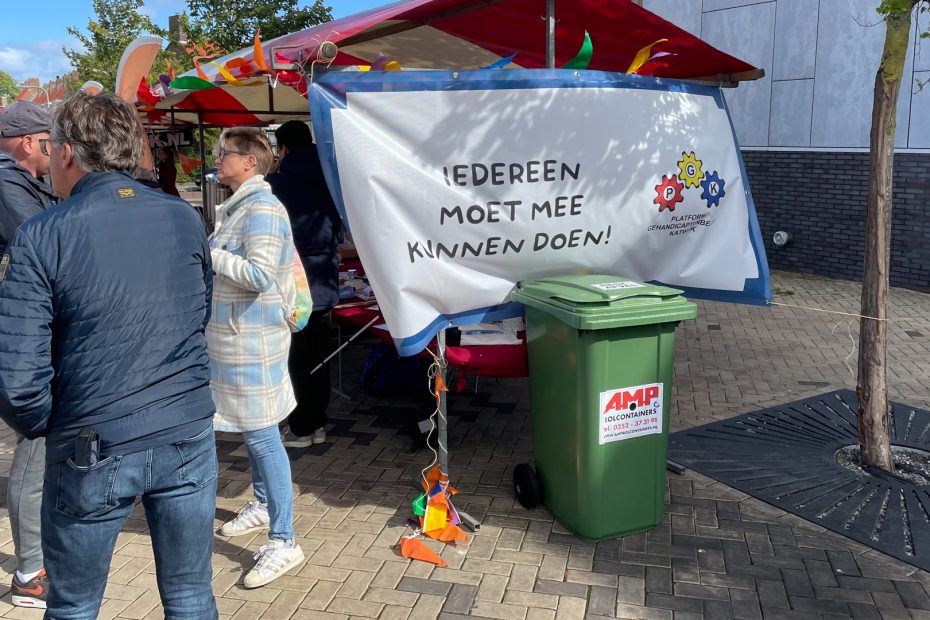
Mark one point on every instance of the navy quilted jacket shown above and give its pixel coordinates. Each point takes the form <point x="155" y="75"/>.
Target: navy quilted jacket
<point x="104" y="299"/>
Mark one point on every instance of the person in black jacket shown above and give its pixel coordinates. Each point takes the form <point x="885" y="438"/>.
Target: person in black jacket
<point x="104" y="301"/>
<point x="300" y="185"/>
<point x="22" y="125"/>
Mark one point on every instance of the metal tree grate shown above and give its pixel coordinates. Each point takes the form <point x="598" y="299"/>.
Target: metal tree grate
<point x="785" y="456"/>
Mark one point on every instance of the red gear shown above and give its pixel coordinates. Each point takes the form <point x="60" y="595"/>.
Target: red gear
<point x="663" y="190"/>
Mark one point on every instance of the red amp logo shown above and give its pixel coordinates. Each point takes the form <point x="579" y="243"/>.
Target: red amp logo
<point x="630" y="412"/>
<point x="630" y="399"/>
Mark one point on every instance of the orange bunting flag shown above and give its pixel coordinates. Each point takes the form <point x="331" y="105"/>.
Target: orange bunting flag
<point x="188" y="164"/>
<point x="440" y="386"/>
<point x="642" y="56"/>
<point x="415" y="549"/>
<point x="452" y="534"/>
<point x="170" y="71"/>
<point x="258" y="56"/>
<point x="200" y="72"/>
<point x="433" y="476"/>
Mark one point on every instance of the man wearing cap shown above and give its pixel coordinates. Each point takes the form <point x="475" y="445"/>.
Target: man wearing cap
<point x="22" y="125"/>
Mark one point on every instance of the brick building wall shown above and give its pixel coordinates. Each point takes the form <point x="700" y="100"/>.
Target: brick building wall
<point x="820" y="199"/>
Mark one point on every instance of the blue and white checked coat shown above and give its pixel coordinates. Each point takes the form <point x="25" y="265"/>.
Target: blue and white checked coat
<point x="248" y="338"/>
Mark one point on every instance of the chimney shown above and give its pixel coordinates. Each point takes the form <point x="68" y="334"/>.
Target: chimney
<point x="175" y="28"/>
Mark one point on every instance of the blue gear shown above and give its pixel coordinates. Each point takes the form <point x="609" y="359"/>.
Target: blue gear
<point x="712" y="181"/>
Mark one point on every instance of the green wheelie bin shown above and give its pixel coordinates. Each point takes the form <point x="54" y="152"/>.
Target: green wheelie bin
<point x="600" y="359"/>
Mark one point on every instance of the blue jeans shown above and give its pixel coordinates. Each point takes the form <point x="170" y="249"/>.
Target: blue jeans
<point x="83" y="509"/>
<point x="271" y="479"/>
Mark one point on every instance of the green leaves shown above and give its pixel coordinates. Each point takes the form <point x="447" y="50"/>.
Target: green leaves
<point x="897" y="6"/>
<point x="8" y="86"/>
<point x="116" y="23"/>
<point x="231" y="24"/>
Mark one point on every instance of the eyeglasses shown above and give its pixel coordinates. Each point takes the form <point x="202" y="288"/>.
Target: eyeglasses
<point x="222" y="153"/>
<point x="44" y="142"/>
<point x="43" y="145"/>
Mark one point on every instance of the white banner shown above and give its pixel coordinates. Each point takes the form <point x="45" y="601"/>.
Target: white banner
<point x="452" y="196"/>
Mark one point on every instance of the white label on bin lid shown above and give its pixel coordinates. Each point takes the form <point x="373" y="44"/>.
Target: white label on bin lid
<point x="616" y="286"/>
<point x="630" y="412"/>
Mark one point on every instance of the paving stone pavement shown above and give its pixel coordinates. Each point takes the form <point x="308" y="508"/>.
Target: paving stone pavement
<point x="717" y="554"/>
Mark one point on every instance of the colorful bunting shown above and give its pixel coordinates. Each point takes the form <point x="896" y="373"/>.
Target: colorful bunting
<point x="411" y="547"/>
<point x="419" y="505"/>
<point x="258" y="55"/>
<point x="500" y="64"/>
<point x="189" y="82"/>
<point x="144" y="93"/>
<point x="642" y="56"/>
<point x="229" y="77"/>
<point x="379" y="62"/>
<point x="583" y="58"/>
<point x="189" y="164"/>
<point x="452" y="534"/>
<point x="242" y="66"/>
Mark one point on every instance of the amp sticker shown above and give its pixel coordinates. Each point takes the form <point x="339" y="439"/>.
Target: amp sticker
<point x="630" y="412"/>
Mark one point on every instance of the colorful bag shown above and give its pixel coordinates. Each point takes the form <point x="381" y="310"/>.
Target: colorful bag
<point x="298" y="314"/>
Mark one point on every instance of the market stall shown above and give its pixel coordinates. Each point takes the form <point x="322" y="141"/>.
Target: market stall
<point x="481" y="177"/>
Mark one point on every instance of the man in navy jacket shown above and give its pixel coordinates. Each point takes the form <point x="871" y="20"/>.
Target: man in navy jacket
<point x="104" y="299"/>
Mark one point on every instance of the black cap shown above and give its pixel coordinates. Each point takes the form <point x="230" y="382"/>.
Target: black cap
<point x="22" y="118"/>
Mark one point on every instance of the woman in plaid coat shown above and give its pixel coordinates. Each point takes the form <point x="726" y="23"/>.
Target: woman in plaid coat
<point x="249" y="339"/>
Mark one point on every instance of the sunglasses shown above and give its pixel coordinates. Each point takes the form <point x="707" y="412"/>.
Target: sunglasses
<point x="43" y="145"/>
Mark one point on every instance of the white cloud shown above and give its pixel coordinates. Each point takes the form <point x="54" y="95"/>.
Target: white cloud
<point x="42" y="59"/>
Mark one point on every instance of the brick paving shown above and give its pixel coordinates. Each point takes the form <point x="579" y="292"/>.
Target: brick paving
<point x="717" y="554"/>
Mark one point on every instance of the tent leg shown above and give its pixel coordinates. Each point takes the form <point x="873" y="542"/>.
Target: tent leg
<point x="442" y="425"/>
<point x="550" y="34"/>
<point x="208" y="220"/>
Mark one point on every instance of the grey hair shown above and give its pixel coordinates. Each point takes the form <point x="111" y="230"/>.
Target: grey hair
<point x="102" y="130"/>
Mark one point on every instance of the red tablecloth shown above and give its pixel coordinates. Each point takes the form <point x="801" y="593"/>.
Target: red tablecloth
<point x="499" y="360"/>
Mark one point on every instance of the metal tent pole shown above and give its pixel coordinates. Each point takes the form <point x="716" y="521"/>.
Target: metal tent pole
<point x="550" y="34"/>
<point x="442" y="424"/>
<point x="203" y="177"/>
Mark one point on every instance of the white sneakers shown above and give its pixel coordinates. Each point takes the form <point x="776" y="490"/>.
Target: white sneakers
<point x="251" y="518"/>
<point x="297" y="441"/>
<point x="274" y="560"/>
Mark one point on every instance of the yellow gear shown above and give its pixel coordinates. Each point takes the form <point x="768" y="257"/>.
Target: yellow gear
<point x="689" y="169"/>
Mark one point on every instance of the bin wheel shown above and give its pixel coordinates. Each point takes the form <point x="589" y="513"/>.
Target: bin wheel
<point x="526" y="486"/>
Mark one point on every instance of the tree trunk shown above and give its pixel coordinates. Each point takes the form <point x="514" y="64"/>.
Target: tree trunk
<point x="872" y="388"/>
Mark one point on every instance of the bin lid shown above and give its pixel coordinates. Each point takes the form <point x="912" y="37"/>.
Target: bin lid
<point x="604" y="301"/>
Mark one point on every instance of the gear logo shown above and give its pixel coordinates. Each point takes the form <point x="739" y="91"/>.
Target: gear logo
<point x="689" y="169"/>
<point x="668" y="193"/>
<point x="713" y="189"/>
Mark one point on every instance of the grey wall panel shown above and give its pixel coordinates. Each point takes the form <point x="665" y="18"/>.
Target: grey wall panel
<point x="848" y="52"/>
<point x="920" y="114"/>
<point x="717" y="5"/>
<point x="747" y="33"/>
<point x="795" y="39"/>
<point x="685" y="15"/>
<point x="922" y="49"/>
<point x="790" y="122"/>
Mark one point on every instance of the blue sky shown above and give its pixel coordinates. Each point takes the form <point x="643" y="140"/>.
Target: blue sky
<point x="31" y="35"/>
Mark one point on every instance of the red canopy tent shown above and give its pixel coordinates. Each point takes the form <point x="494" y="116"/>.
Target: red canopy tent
<point x="458" y="34"/>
